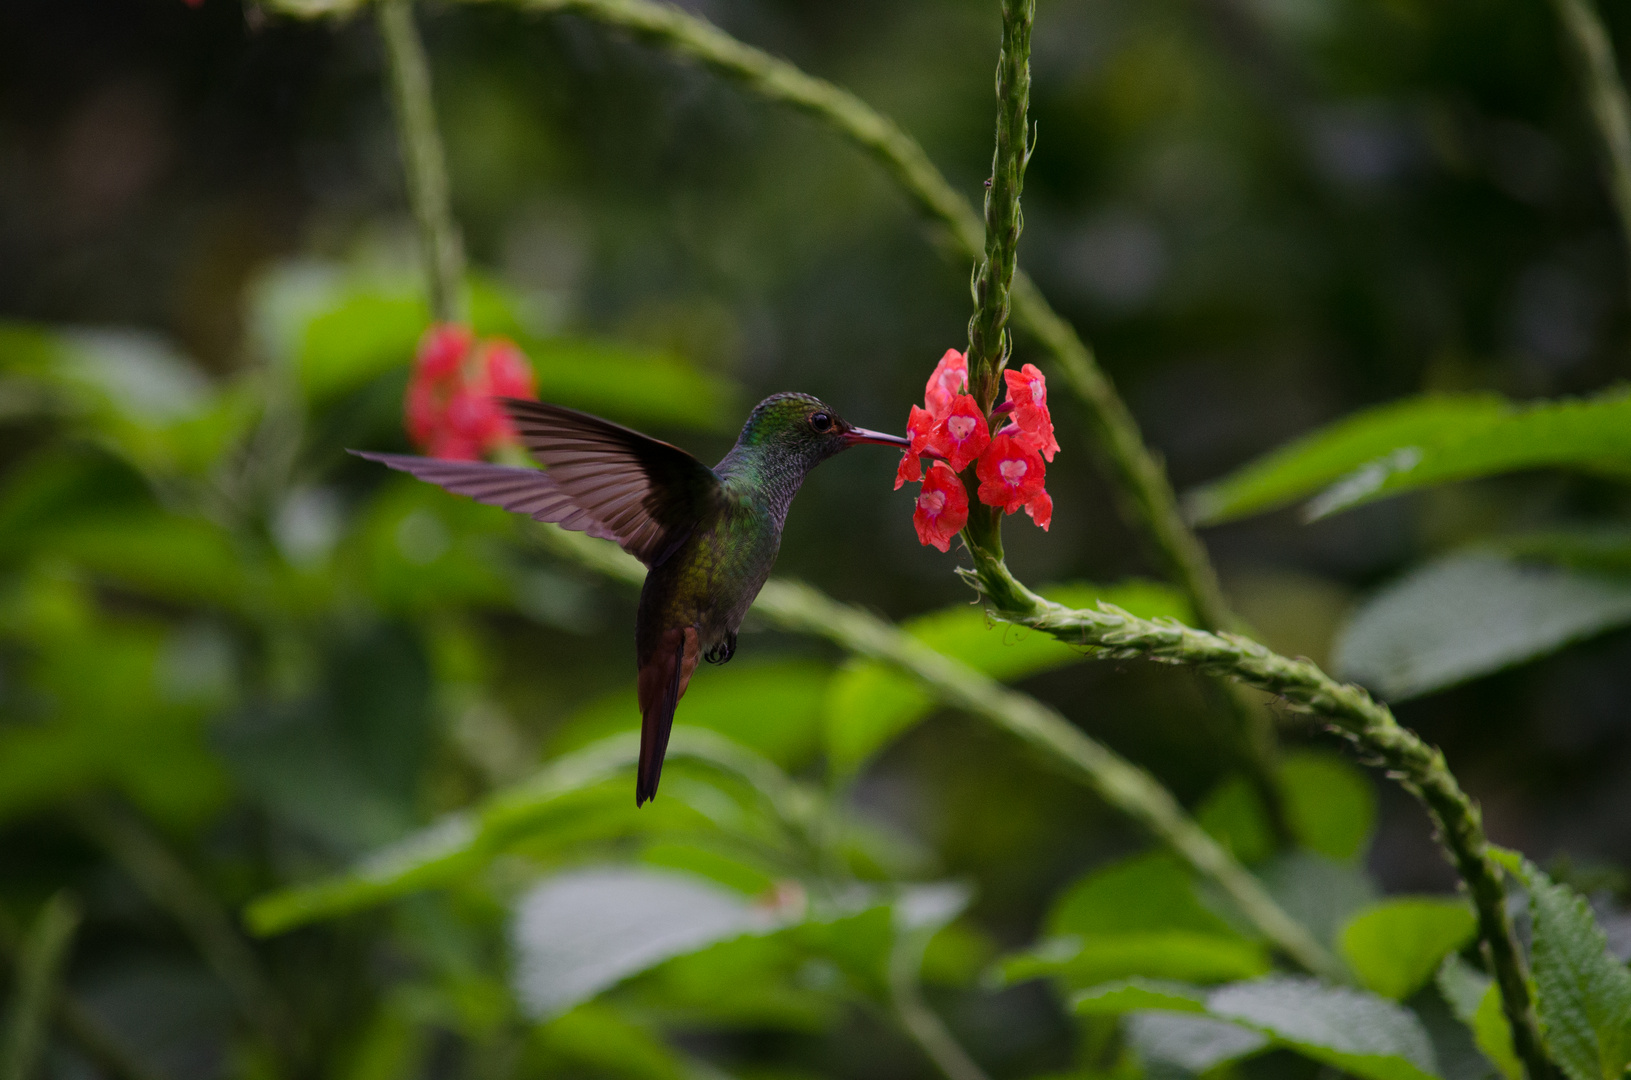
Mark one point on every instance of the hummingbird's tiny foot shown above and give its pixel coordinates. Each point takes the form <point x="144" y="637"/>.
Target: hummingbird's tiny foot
<point x="722" y="651"/>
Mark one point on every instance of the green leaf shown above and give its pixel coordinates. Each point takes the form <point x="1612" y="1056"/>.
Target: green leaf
<point x="1129" y="995"/>
<point x="1193" y="1043"/>
<point x="870" y="704"/>
<point x="1312" y="462"/>
<point x="1152" y="892"/>
<point x="1469" y="614"/>
<point x="1234" y="815"/>
<point x="460" y="844"/>
<point x="1320" y="893"/>
<point x="1582" y="991"/>
<point x="1355" y="1032"/>
<point x="1396" y="946"/>
<point x="595" y="1036"/>
<point x="1329" y="804"/>
<point x="1593" y="434"/>
<point x="1182" y="955"/>
<point x="1476" y="1002"/>
<point x="579" y="933"/>
<point x="1592" y="548"/>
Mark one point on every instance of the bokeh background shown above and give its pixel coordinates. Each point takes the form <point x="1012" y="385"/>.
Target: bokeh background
<point x="220" y="633"/>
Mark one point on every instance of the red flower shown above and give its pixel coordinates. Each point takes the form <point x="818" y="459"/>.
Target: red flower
<point x="950" y="378"/>
<point x="1028" y="396"/>
<point x="1040" y="508"/>
<point x="918" y="424"/>
<point x="507" y="370"/>
<point x="442" y="350"/>
<point x="451" y="409"/>
<point x="942" y="507"/>
<point x="1011" y="474"/>
<point x="960" y="432"/>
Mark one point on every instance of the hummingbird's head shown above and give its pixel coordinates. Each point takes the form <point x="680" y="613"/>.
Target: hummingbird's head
<point x="800" y="431"/>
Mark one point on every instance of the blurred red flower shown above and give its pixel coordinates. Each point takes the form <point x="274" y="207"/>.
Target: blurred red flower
<point x="942" y="507"/>
<point x="451" y="409"/>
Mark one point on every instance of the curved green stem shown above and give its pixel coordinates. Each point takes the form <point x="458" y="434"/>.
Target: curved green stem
<point x="424" y="165"/>
<point x="1593" y="52"/>
<point x="43" y="956"/>
<point x="1344" y="708"/>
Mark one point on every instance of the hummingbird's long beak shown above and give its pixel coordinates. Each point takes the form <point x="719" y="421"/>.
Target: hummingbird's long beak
<point x="857" y="435"/>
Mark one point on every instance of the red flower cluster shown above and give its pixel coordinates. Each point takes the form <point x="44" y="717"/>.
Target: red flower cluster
<point x="952" y="429"/>
<point x="450" y="409"/>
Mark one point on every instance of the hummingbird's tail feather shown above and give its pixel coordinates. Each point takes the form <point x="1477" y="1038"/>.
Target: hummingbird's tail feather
<point x="664" y="675"/>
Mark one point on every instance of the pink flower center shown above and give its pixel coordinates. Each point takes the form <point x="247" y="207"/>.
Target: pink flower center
<point x="1013" y="471"/>
<point x="932" y="502"/>
<point x="961" y="427"/>
<point x="1039" y="390"/>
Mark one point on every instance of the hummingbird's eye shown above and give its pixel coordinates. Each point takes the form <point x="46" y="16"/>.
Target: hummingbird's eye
<point x="821" y="421"/>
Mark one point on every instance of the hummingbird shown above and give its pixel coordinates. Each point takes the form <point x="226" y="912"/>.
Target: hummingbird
<point x="708" y="537"/>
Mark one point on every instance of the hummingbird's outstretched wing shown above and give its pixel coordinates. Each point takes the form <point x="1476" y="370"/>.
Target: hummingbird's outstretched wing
<point x="602" y="479"/>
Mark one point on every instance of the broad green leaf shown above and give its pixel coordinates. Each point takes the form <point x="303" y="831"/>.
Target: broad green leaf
<point x="1318" y="892"/>
<point x="1358" y="1033"/>
<point x="1129" y="995"/>
<point x="595" y="1036"/>
<point x="1582" y="991"/>
<point x="1329" y="807"/>
<point x="1596" y="548"/>
<point x="1476" y="1002"/>
<point x="460" y="844"/>
<point x="582" y="932"/>
<point x="1329" y="804"/>
<point x="1469" y="614"/>
<point x="1193" y="1043"/>
<point x="1396" y="946"/>
<point x="773" y="708"/>
<point x="746" y="982"/>
<point x="1234" y="815"/>
<point x="870" y="704"/>
<point x="1146" y="893"/>
<point x="1312" y="462"/>
<point x="1182" y="955"/>
<point x="1593" y="434"/>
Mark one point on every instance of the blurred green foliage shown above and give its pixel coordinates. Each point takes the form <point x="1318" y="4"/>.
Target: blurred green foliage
<point x="385" y="738"/>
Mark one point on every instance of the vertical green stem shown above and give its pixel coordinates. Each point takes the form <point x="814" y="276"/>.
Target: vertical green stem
<point x="424" y="164"/>
<point x="920" y="1021"/>
<point x="39" y="970"/>
<point x="100" y="1045"/>
<point x="1593" y="51"/>
<point x="167" y="882"/>
<point x="988" y="338"/>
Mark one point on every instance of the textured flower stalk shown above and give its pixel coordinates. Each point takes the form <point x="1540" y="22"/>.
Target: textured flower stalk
<point x="1112" y="634"/>
<point x="423" y="160"/>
